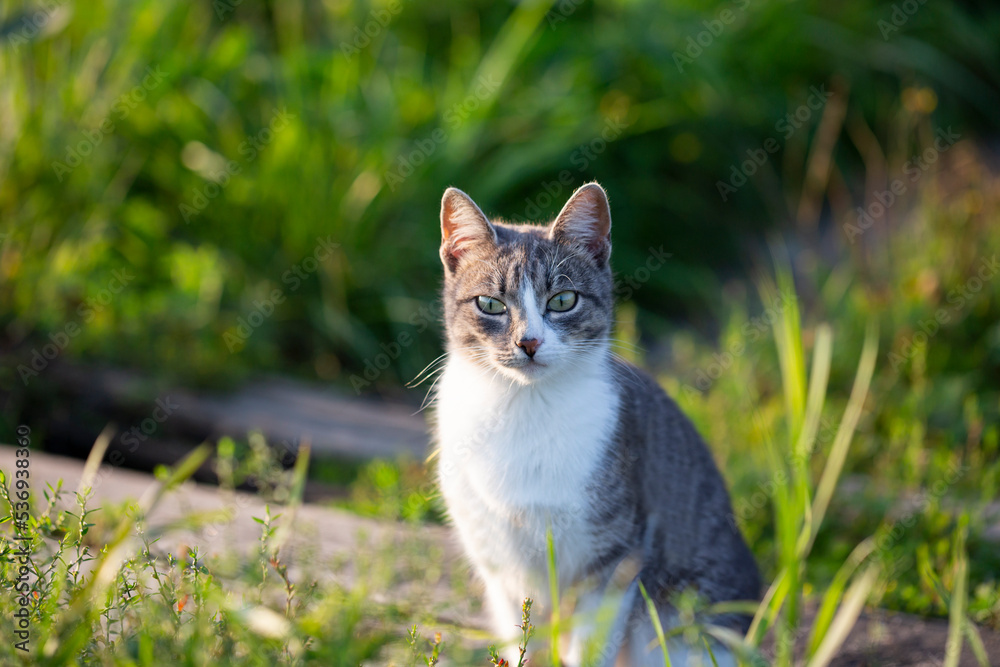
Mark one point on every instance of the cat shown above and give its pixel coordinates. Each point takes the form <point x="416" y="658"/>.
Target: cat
<point x="541" y="430"/>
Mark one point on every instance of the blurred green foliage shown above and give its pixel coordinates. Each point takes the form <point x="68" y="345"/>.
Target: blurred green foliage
<point x="928" y="443"/>
<point x="396" y="491"/>
<point x="118" y="115"/>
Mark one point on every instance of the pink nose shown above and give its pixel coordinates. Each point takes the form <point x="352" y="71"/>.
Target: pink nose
<point x="529" y="345"/>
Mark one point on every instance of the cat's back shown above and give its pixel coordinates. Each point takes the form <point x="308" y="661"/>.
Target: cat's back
<point x="659" y="452"/>
<point x="673" y="475"/>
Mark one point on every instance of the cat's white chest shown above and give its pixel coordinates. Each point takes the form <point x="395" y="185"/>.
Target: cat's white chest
<point x="518" y="460"/>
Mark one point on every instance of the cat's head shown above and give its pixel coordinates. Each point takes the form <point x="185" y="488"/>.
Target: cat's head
<point x="527" y="301"/>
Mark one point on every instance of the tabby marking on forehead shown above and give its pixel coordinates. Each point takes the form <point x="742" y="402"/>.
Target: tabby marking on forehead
<point x="524" y="266"/>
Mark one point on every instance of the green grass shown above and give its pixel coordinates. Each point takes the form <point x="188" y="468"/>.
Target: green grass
<point x="654" y="616"/>
<point x="104" y="592"/>
<point x="106" y="596"/>
<point x="826" y="408"/>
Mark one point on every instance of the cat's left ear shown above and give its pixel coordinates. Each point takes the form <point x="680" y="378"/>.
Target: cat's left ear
<point x="585" y="220"/>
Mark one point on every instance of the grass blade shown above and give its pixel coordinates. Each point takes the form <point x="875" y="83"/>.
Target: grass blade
<point x="842" y="440"/>
<point x="819" y="375"/>
<point x="711" y="653"/>
<point x="187" y="467"/>
<point x="83" y="610"/>
<point x="959" y="597"/>
<point x="975" y="642"/>
<point x="518" y="34"/>
<point x="94" y="459"/>
<point x="768" y="610"/>
<point x="654" y="617"/>
<point x="845" y="619"/>
<point x="781" y="297"/>
<point x="834" y="594"/>
<point x="743" y="652"/>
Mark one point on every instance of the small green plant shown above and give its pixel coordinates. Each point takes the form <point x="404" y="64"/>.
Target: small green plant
<point x="527" y="630"/>
<point x="413" y="638"/>
<point x="103" y="589"/>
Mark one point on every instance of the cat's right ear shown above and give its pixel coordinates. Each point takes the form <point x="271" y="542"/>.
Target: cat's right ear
<point x="463" y="226"/>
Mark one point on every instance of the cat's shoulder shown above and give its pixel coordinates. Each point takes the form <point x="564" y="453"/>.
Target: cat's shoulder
<point x="639" y="389"/>
<point x="630" y="379"/>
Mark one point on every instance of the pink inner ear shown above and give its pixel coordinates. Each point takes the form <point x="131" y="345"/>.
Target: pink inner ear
<point x="462" y="223"/>
<point x="455" y="244"/>
<point x="597" y="244"/>
<point x="587" y="221"/>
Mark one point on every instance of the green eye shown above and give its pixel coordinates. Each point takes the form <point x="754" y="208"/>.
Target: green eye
<point x="491" y="306"/>
<point x="562" y="302"/>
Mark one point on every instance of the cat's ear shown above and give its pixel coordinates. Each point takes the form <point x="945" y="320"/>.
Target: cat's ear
<point x="585" y="220"/>
<point x="463" y="226"/>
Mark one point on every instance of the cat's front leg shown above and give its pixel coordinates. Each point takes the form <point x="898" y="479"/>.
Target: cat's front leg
<point x="505" y="612"/>
<point x="585" y="624"/>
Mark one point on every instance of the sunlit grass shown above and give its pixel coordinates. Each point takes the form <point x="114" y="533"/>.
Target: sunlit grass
<point x="106" y="596"/>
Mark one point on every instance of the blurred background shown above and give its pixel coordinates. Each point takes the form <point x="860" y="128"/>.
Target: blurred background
<point x="195" y="196"/>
